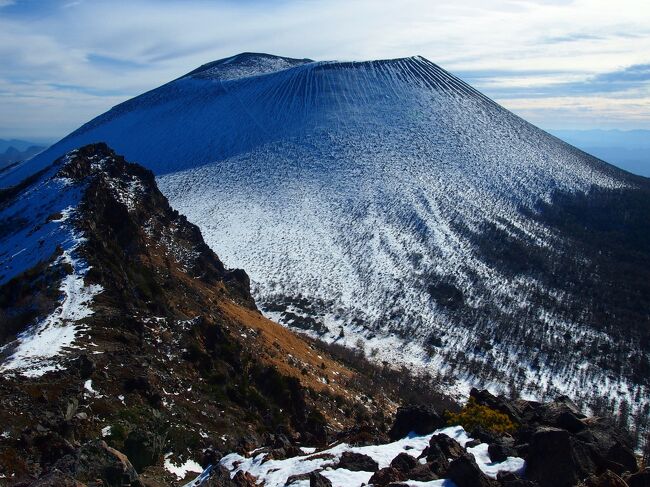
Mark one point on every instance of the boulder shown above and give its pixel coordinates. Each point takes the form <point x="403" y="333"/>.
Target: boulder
<point x="404" y="462"/>
<point x="422" y="473"/>
<point x="219" y="476"/>
<point x="561" y="413"/>
<point x="465" y="472"/>
<point x="442" y="448"/>
<point x="318" y="480"/>
<point x="419" y="419"/>
<point x="444" y="445"/>
<point x="497" y="453"/>
<point x="357" y="462"/>
<point x="609" y="446"/>
<point x="385" y="476"/>
<point x="483" y="435"/>
<point x="500" y="450"/>
<point x="556" y="460"/>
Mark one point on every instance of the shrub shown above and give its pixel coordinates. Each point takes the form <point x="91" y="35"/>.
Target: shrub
<point x="474" y="414"/>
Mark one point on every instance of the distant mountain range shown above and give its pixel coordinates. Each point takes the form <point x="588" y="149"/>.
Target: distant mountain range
<point x="389" y="206"/>
<point x="13" y="151"/>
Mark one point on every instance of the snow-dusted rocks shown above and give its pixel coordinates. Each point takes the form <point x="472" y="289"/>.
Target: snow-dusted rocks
<point x="274" y="473"/>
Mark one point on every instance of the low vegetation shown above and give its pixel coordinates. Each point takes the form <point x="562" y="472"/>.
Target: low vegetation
<point x="475" y="415"/>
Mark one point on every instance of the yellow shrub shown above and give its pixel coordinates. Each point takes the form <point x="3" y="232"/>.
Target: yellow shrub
<point x="473" y="415"/>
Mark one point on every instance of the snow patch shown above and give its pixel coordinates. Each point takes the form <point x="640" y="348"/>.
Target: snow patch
<point x="183" y="469"/>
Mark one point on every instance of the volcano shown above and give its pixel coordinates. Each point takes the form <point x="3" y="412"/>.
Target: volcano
<point x="390" y="206"/>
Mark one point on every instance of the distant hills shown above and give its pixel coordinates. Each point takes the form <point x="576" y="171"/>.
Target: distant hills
<point x="15" y="150"/>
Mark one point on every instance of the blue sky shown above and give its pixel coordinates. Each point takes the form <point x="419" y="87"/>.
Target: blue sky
<point x="561" y="64"/>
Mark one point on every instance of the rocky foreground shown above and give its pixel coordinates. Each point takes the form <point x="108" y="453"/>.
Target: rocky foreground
<point x="551" y="445"/>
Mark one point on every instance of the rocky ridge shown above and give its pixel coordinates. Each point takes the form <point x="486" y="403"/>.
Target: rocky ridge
<point x="130" y="353"/>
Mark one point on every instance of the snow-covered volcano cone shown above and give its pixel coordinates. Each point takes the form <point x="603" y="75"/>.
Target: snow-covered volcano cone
<point x="390" y="201"/>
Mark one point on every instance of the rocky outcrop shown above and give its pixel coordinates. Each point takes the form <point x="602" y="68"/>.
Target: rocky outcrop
<point x="465" y="472"/>
<point x="357" y="462"/>
<point x="562" y="446"/>
<point x="172" y="356"/>
<point x="419" y="419"/>
<point x="386" y="476"/>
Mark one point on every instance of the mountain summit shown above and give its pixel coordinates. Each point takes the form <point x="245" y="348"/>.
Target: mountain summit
<point x="391" y="206"/>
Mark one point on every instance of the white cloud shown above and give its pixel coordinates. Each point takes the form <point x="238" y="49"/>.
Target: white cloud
<point x="153" y="42"/>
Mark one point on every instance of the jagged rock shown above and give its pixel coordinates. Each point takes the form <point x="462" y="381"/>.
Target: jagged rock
<point x="318" y="480"/>
<point x="465" y="472"/>
<point x="419" y="419"/>
<point x="357" y="462"/>
<point x="606" y="479"/>
<point x="422" y="473"/>
<point x="385" y="476"/>
<point x="639" y="479"/>
<point x="556" y="460"/>
<point x="500" y="450"/>
<point x="441" y="448"/>
<point x="96" y="460"/>
<point x="483" y="435"/>
<point x="609" y="447"/>
<point x="404" y="462"/>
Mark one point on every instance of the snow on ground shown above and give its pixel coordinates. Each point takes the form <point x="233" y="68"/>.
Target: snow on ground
<point x="274" y="473"/>
<point x="42" y="224"/>
<point x="36" y="348"/>
<point x="183" y="469"/>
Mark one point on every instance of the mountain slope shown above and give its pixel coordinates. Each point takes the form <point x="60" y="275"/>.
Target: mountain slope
<point x="389" y="204"/>
<point x="123" y="324"/>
